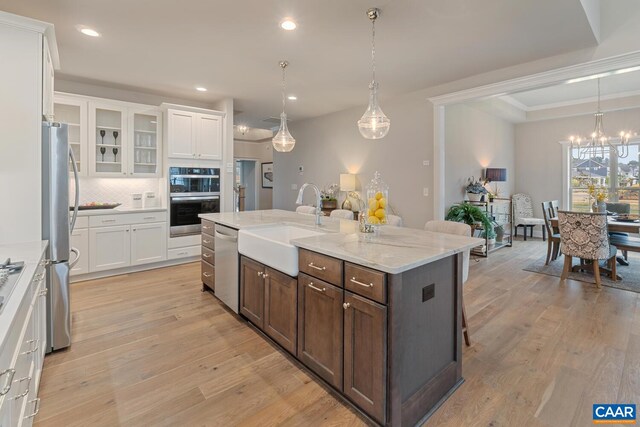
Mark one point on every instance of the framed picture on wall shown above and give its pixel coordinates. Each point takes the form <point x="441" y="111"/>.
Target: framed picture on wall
<point x="267" y="175"/>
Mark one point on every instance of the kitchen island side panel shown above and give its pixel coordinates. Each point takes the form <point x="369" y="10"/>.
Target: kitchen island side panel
<point x="424" y="338"/>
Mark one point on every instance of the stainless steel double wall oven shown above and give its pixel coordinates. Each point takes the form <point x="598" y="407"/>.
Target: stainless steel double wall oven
<point x="192" y="191"/>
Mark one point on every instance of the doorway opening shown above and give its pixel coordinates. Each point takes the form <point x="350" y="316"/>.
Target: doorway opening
<point x="246" y="184"/>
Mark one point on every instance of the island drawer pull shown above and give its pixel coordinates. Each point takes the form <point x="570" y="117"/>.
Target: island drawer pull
<point x="206" y="255"/>
<point x="205" y="241"/>
<point x="316" y="288"/>
<point x="206" y="227"/>
<point x="207" y="274"/>
<point x="316" y="267"/>
<point x="260" y="273"/>
<point x="265" y="275"/>
<point x="36" y="408"/>
<point x="346" y="305"/>
<point x="21" y="380"/>
<point x="353" y="280"/>
<point x="7" y="385"/>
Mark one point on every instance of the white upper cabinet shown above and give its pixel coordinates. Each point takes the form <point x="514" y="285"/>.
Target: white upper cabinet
<point x="107" y="139"/>
<point x="181" y="134"/>
<point x="209" y="137"/>
<point x="73" y="112"/>
<point x="194" y="135"/>
<point x="144" y="142"/>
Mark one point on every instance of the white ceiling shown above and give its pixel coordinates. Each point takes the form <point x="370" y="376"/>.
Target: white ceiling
<point x="233" y="47"/>
<point x="615" y="85"/>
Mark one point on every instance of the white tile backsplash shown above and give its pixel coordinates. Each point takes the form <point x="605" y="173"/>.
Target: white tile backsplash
<point x="117" y="190"/>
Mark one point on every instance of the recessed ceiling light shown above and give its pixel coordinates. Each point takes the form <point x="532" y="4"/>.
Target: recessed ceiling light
<point x="201" y="89"/>
<point x="292" y="98"/>
<point x="87" y="31"/>
<point x="288" y="24"/>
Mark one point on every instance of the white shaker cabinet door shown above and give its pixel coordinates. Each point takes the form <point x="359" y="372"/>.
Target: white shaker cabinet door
<point x="148" y="243"/>
<point x="209" y="137"/>
<point x="110" y="248"/>
<point x="181" y="134"/>
<point x="80" y="241"/>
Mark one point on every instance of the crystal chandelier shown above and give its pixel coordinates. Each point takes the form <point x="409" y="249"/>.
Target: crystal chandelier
<point x="598" y="141"/>
<point x="283" y="141"/>
<point x="373" y="124"/>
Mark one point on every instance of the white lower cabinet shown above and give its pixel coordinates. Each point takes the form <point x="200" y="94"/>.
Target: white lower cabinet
<point x="22" y="356"/>
<point x="80" y="241"/>
<point x="110" y="248"/>
<point x="126" y="245"/>
<point x="148" y="243"/>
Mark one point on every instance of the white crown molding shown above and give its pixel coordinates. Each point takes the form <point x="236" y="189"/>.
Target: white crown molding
<point x="588" y="100"/>
<point x="515" y="103"/>
<point x="41" y="27"/>
<point x="540" y="80"/>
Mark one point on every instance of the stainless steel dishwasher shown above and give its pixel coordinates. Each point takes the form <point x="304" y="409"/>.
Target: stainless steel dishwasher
<point x="226" y="268"/>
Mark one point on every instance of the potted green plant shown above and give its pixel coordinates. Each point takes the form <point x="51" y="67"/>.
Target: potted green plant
<point x="469" y="214"/>
<point x="475" y="189"/>
<point x="499" y="229"/>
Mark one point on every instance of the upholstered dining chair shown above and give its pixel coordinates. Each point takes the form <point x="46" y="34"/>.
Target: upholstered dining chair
<point x="394" y="220"/>
<point x="341" y="213"/>
<point x="460" y="229"/>
<point x="584" y="235"/>
<point x="307" y="210"/>
<point x="550" y="210"/>
<point x="523" y="215"/>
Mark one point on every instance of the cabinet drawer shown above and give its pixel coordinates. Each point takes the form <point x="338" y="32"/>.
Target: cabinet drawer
<point x="81" y="221"/>
<point x="127" y="219"/>
<point x="321" y="266"/>
<point x="208" y="227"/>
<point x="366" y="282"/>
<point x="208" y="274"/>
<point x="187" y="252"/>
<point x="208" y="241"/>
<point x="208" y="255"/>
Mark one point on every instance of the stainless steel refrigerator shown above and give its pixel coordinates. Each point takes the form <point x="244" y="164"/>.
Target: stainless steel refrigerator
<point x="57" y="225"/>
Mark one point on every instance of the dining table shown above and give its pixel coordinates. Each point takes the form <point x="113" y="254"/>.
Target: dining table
<point x="614" y="225"/>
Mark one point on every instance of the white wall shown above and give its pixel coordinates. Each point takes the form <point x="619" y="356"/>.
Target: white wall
<point x="330" y="145"/>
<point x="538" y="155"/>
<point x="262" y="152"/>
<point x="474" y="140"/>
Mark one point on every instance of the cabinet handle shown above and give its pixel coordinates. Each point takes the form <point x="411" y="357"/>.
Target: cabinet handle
<point x="346" y="305"/>
<point x="353" y="280"/>
<point x="316" y="267"/>
<point x="204" y="227"/>
<point x="43" y="293"/>
<point x="260" y="273"/>
<point x="183" y="253"/>
<point x="33" y="349"/>
<point x="206" y="255"/>
<point x="315" y="288"/>
<point x="265" y="275"/>
<point x="36" y="408"/>
<point x="104" y="221"/>
<point x="7" y="385"/>
<point x="149" y="217"/>
<point x="206" y="241"/>
<point x="207" y="274"/>
<point x="21" y="380"/>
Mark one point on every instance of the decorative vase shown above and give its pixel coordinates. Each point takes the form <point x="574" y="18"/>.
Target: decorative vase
<point x="599" y="207"/>
<point x="377" y="201"/>
<point x="474" y="197"/>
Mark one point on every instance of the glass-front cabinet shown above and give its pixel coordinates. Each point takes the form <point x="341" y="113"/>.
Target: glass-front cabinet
<point x="73" y="112"/>
<point x="124" y="140"/>
<point x="144" y="151"/>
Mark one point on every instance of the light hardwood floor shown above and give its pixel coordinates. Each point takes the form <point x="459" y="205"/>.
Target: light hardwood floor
<point x="151" y="349"/>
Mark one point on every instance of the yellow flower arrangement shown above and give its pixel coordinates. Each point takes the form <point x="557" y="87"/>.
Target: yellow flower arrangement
<point x="598" y="193"/>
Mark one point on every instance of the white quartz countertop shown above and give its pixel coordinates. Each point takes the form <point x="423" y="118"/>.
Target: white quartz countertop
<point x="30" y="253"/>
<point x="392" y="250"/>
<point x="119" y="210"/>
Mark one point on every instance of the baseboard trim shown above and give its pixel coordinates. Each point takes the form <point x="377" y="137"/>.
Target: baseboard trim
<point x="134" y="269"/>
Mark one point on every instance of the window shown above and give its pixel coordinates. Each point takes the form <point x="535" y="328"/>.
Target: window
<point x="603" y="168"/>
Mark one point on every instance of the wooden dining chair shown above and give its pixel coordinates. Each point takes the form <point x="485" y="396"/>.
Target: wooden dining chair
<point x="585" y="236"/>
<point x="460" y="229"/>
<point x="550" y="210"/>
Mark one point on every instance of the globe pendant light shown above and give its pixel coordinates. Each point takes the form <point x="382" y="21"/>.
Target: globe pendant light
<point x="373" y="124"/>
<point x="283" y="141"/>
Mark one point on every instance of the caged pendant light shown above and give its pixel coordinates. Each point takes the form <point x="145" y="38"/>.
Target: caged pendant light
<point x="283" y="141"/>
<point x="373" y="124"/>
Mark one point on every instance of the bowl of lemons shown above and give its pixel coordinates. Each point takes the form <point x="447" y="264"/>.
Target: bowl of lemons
<point x="377" y="201"/>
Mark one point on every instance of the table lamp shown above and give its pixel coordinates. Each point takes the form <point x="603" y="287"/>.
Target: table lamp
<point x="347" y="184"/>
